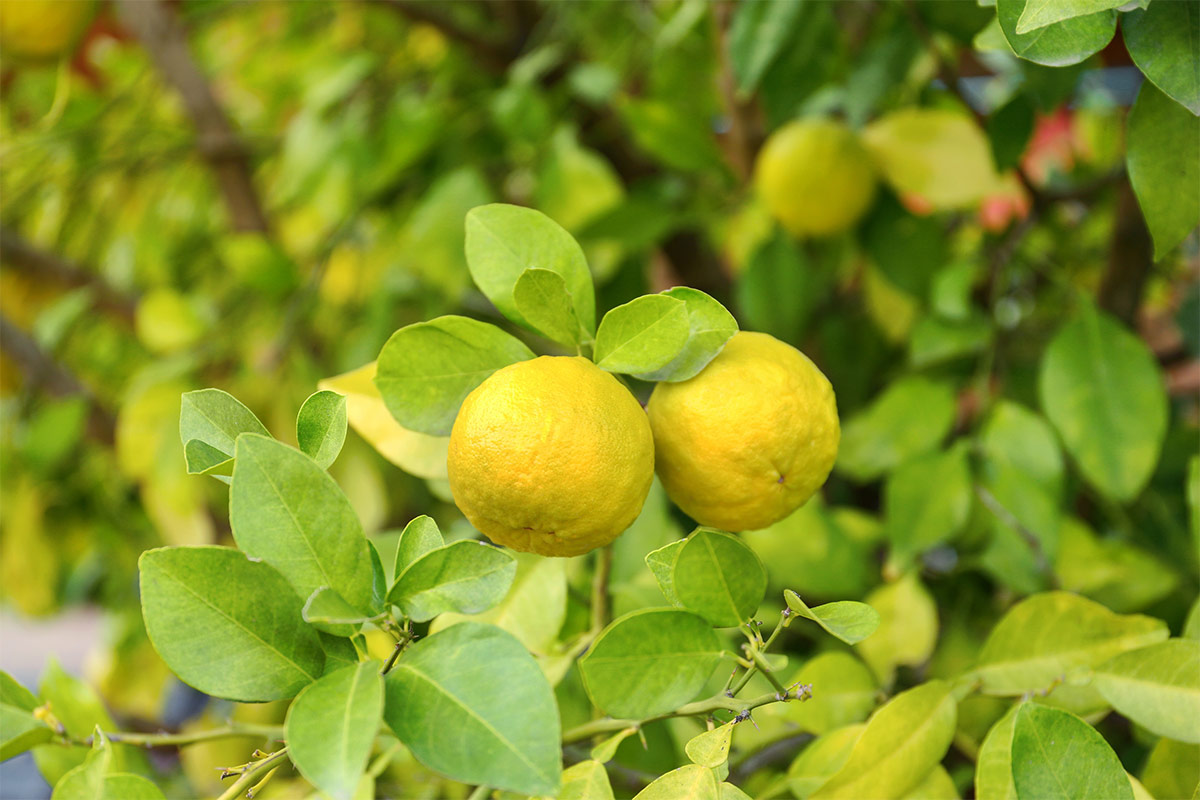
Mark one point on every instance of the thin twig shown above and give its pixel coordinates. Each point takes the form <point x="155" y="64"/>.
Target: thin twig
<point x="182" y="739"/>
<point x="246" y="781"/>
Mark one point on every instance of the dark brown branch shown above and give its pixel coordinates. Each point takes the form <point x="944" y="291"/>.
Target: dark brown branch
<point x="161" y="33"/>
<point x="1130" y="259"/>
<point x="43" y="372"/>
<point x="24" y="257"/>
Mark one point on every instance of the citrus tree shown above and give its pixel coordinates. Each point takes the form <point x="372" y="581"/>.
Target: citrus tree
<point x="788" y="399"/>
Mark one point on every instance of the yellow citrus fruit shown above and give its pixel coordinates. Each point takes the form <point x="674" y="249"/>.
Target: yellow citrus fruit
<point x="748" y="440"/>
<point x="42" y="30"/>
<point x="551" y="456"/>
<point x="815" y="177"/>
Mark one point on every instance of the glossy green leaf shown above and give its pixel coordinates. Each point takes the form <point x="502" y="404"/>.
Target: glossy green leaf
<point x="1158" y="687"/>
<point x="662" y="565"/>
<point x="689" y="782"/>
<point x="731" y="792"/>
<point x="542" y="298"/>
<point x="427" y="369"/>
<point x="226" y="625"/>
<point x="212" y="420"/>
<point x="844" y="692"/>
<point x="908" y="627"/>
<point x="503" y="241"/>
<point x="287" y="511"/>
<point x="993" y="767"/>
<point x="902" y="742"/>
<point x="99" y="777"/>
<point x="1044" y="637"/>
<point x="466" y="577"/>
<point x="848" y="620"/>
<point x="331" y="728"/>
<point x="321" y="427"/>
<point x="586" y="780"/>
<point x="758" y="34"/>
<point x="926" y="501"/>
<point x="1015" y="436"/>
<point x="911" y="417"/>
<point x="476" y="683"/>
<point x="822" y="759"/>
<point x="643" y="335"/>
<point x="419" y="537"/>
<point x="1061" y="43"/>
<point x="718" y="577"/>
<point x="1058" y="756"/>
<point x="1040" y="13"/>
<point x="1163" y="165"/>
<point x="1101" y="387"/>
<point x="710" y="326"/>
<point x="328" y="611"/>
<point x="711" y="748"/>
<point x="19" y="729"/>
<point x="936" y="785"/>
<point x="650" y="662"/>
<point x="1164" y="41"/>
<point x="1110" y="571"/>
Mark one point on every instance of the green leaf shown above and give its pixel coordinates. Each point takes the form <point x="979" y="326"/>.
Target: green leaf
<point x="288" y="511"/>
<point x="20" y="730"/>
<point x="711" y="748"/>
<point x="926" y="501"/>
<point x="1045" y="637"/>
<point x="1172" y="769"/>
<point x="321" y="426"/>
<point x="586" y="780"/>
<point x="710" y="326"/>
<point x="1158" y="687"/>
<point x="843" y="693"/>
<point x="226" y="625"/>
<point x="993" y="769"/>
<point x="99" y="778"/>
<point x="650" y="662"/>
<point x="210" y="421"/>
<point x="1102" y="389"/>
<point x="328" y="611"/>
<point x="662" y="565"/>
<point x="1040" y="13"/>
<point x="419" y="537"/>
<point x="1110" y="571"/>
<point x="936" y="785"/>
<point x="908" y="627"/>
<point x="1163" y="39"/>
<point x="427" y="369"/>
<point x="467" y="577"/>
<point x="475" y="686"/>
<point x="718" y="577"/>
<point x="331" y="728"/>
<point x="911" y="417"/>
<point x="758" y="34"/>
<point x="822" y="759"/>
<point x="503" y="241"/>
<point x="731" y="792"/>
<point x="1061" y="43"/>
<point x="1016" y="437"/>
<point x="643" y="335"/>
<point x="908" y="249"/>
<point x="1058" y="756"/>
<point x="846" y="619"/>
<point x="902" y="742"/>
<point x="542" y="298"/>
<point x="691" y="782"/>
<point x="1163" y="165"/>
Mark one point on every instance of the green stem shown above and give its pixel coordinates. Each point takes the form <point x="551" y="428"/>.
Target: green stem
<point x="700" y="708"/>
<point x="480" y="793"/>
<point x="182" y="739"/>
<point x="604" y="560"/>
<point x="779" y="626"/>
<point x="245" y="782"/>
<point x="761" y="662"/>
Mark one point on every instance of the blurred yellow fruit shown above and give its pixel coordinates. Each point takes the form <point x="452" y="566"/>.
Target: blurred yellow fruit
<point x="42" y="30"/>
<point x="815" y="177"/>
<point x="551" y="456"/>
<point x="748" y="440"/>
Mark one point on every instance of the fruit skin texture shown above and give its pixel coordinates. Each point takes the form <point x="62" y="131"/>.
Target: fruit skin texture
<point x="747" y="441"/>
<point x="551" y="456"/>
<point x="42" y="30"/>
<point x="815" y="177"/>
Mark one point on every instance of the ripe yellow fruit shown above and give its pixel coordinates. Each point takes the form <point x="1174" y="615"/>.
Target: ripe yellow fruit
<point x="815" y="177"/>
<point x="551" y="456"/>
<point x="747" y="441"/>
<point x="42" y="30"/>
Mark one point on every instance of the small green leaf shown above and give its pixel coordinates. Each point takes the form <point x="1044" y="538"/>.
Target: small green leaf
<point x="328" y="611"/>
<point x="643" y="335"/>
<point x="478" y="684"/>
<point x="911" y="417"/>
<point x="466" y="577"/>
<point x="503" y="241"/>
<point x="226" y="625"/>
<point x="662" y="566"/>
<point x="542" y="298"/>
<point x="848" y="620"/>
<point x="1163" y="165"/>
<point x="321" y="427"/>
<point x="758" y="34"/>
<point x="331" y="727"/>
<point x="711" y="748"/>
<point x="822" y="759"/>
<point x="1058" y="756"/>
<point x="1059" y="44"/>
<point x="1102" y="389"/>
<point x="213" y="419"/>
<point x="1040" y="13"/>
<point x="20" y="730"/>
<point x="1158" y="687"/>
<point x="650" y="662"/>
<point x="731" y="792"/>
<point x="710" y="326"/>
<point x="718" y="577"/>
<point x="902" y="742"/>
<point x="993" y="770"/>
<point x="99" y="778"/>
<point x="1164" y="41"/>
<point x="586" y="780"/>
<point x="289" y="512"/>
<point x="691" y="782"/>
<point x="1046" y="636"/>
<point x="419" y="537"/>
<point x="607" y="750"/>
<point x="926" y="501"/>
